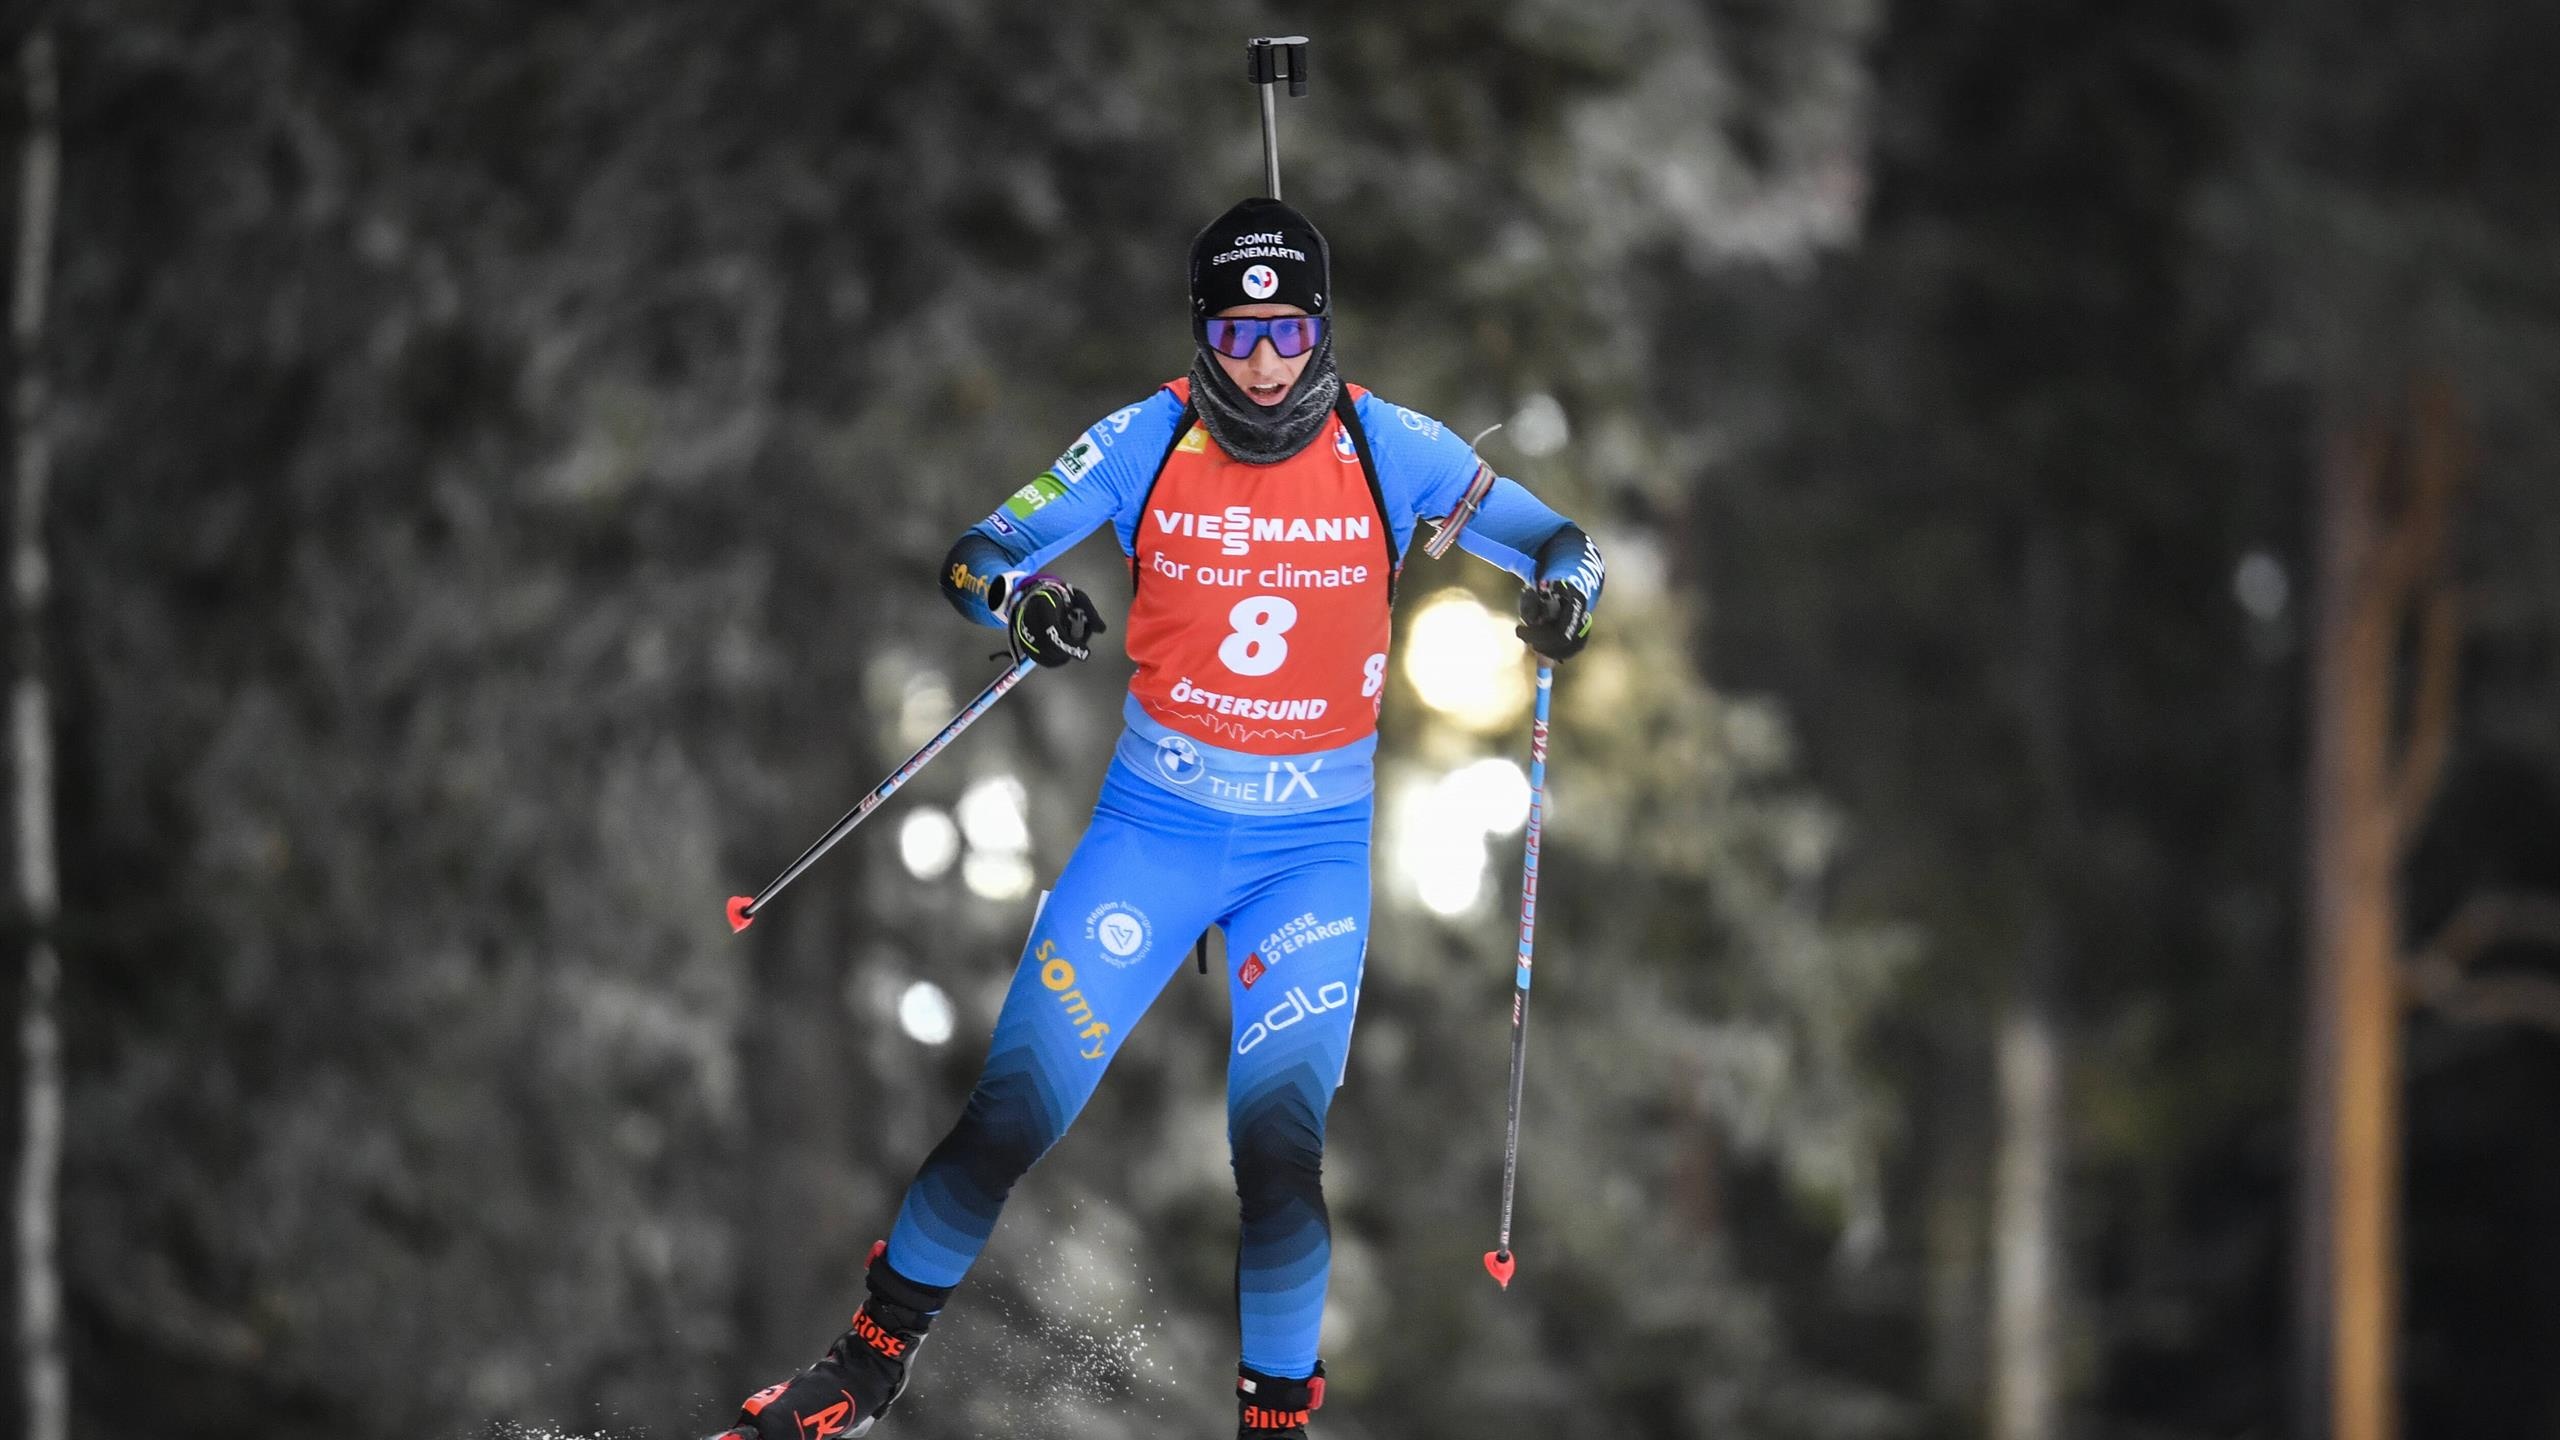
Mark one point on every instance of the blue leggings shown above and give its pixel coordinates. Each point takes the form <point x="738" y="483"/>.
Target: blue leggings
<point x="1154" y="871"/>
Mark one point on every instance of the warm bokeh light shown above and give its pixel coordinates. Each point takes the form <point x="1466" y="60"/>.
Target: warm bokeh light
<point x="1489" y="795"/>
<point x="1454" y="882"/>
<point x="1463" y="661"/>
<point x="1436" y="859"/>
<point x="1437" y="828"/>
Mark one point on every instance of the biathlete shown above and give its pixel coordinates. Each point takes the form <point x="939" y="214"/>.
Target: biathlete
<point x="1265" y="507"/>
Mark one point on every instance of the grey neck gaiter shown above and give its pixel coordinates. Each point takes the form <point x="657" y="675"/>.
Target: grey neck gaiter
<point x="1253" y="434"/>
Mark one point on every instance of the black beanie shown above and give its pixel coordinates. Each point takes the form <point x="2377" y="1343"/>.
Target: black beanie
<point x="1260" y="252"/>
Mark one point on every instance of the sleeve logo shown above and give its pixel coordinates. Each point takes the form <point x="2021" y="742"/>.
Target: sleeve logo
<point x="1044" y="487"/>
<point x="1079" y="460"/>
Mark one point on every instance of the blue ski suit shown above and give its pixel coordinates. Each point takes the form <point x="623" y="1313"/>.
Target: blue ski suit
<point x="1211" y="816"/>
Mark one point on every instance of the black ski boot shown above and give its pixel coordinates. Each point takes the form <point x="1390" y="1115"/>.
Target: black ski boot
<point x="859" y="1377"/>
<point x="1270" y="1408"/>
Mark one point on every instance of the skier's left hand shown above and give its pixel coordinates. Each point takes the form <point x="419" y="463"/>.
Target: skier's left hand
<point x="1555" y="619"/>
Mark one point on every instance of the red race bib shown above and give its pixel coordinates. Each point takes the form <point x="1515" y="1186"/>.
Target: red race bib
<point x="1262" y="616"/>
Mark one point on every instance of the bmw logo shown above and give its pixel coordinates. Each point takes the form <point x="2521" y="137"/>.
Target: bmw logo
<point x="1179" y="759"/>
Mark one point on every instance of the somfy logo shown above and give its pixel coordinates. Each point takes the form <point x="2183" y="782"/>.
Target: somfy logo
<point x="1261" y="281"/>
<point x="1059" y="977"/>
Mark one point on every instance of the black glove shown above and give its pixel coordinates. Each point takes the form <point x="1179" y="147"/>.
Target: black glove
<point x="1052" y="621"/>
<point x="1555" y="619"/>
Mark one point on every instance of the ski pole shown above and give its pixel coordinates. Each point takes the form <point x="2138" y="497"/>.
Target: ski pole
<point x="1499" y="1261"/>
<point x="743" y="908"/>
<point x="1269" y="60"/>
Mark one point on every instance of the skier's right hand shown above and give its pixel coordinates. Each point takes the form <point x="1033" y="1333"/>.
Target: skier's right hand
<point x="1051" y="621"/>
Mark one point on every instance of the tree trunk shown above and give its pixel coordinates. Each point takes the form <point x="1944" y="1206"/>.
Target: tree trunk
<point x="2026" y="1385"/>
<point x="2352" y="937"/>
<point x="2025" y="1254"/>
<point x="2384" y="519"/>
<point x="43" y="1375"/>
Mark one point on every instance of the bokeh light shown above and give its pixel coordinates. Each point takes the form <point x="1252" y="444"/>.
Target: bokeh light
<point x="925" y="1013"/>
<point x="1539" y="427"/>
<point x="993" y="816"/>
<point x="2260" y="584"/>
<point x="1438" y="861"/>
<point x="996" y="877"/>
<point x="1463" y="661"/>
<point x="924" y="707"/>
<point x="927" y="843"/>
<point x="1490" y="796"/>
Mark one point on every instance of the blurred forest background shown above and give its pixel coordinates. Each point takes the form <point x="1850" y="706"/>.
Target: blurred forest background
<point x="500" y="454"/>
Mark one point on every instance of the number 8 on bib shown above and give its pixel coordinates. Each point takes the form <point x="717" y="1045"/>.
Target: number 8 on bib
<point x="1256" y="645"/>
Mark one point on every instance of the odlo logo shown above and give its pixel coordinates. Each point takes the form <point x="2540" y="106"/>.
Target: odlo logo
<point x="1060" y="979"/>
<point x="1293" y="1007"/>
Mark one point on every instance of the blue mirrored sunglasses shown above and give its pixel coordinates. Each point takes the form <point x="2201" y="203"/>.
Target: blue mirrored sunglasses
<point x="1290" y="335"/>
